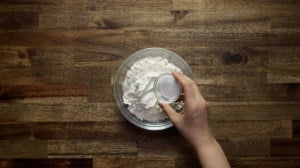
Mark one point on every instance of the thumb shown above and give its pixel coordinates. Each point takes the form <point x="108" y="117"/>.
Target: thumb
<point x="170" y="112"/>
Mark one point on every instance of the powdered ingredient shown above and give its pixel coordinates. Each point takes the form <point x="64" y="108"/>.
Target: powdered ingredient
<point x="139" y="80"/>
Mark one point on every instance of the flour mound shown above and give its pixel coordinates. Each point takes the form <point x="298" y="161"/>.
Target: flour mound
<point x="138" y="77"/>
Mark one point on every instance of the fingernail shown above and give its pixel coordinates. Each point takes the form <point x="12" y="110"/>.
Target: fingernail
<point x="160" y="103"/>
<point x="175" y="72"/>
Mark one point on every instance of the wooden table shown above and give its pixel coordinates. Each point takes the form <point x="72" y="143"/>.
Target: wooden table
<point x="58" y="59"/>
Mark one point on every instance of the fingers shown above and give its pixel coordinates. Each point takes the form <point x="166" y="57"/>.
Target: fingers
<point x="170" y="112"/>
<point x="180" y="98"/>
<point x="181" y="78"/>
<point x="187" y="85"/>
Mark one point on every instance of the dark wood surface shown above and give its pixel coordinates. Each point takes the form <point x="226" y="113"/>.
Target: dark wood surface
<point x="58" y="59"/>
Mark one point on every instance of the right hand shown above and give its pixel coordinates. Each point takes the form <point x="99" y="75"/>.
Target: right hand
<point x="192" y="123"/>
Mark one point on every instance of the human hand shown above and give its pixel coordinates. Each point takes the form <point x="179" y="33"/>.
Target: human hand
<point x="193" y="121"/>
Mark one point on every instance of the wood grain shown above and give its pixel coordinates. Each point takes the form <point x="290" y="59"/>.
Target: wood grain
<point x="115" y="162"/>
<point x="58" y="60"/>
<point x="80" y="38"/>
<point x="19" y="20"/>
<point x="69" y="130"/>
<point x="285" y="147"/>
<point x="250" y="147"/>
<point x="283" y="70"/>
<point x="63" y="112"/>
<point x="296" y="128"/>
<point x="24" y="163"/>
<point x="11" y="92"/>
<point x="265" y="162"/>
<point x="209" y="38"/>
<point x="231" y="4"/>
<point x="254" y="110"/>
<point x="251" y="92"/>
<point x="65" y="147"/>
<point x="252" y="129"/>
<point x="23" y="149"/>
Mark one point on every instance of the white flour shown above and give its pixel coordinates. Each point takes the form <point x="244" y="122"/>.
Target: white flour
<point x="144" y="106"/>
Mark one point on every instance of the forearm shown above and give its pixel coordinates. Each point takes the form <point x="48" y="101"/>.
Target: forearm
<point x="211" y="155"/>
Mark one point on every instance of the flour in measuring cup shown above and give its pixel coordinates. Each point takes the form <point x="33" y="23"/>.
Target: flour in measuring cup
<point x="138" y="80"/>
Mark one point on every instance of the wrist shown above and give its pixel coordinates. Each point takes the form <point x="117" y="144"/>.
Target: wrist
<point x="204" y="140"/>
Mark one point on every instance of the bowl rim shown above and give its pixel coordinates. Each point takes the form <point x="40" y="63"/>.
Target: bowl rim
<point x="168" y="123"/>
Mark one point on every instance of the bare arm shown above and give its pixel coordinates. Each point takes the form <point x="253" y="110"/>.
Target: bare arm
<point x="193" y="124"/>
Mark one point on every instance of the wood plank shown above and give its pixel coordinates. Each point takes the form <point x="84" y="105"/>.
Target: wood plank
<point x="250" y="92"/>
<point x="124" y="130"/>
<point x="48" y="100"/>
<point x="155" y="162"/>
<point x="252" y="129"/>
<point x="101" y="162"/>
<point x="246" y="162"/>
<point x="18" y="20"/>
<point x="296" y="128"/>
<point x="275" y="57"/>
<point x="284" y="73"/>
<point x="23" y="149"/>
<point x="224" y="56"/>
<point x="115" y="162"/>
<point x="174" y="145"/>
<point x="208" y="38"/>
<point x="233" y="4"/>
<point x="88" y="5"/>
<point x="285" y="147"/>
<point x="39" y="57"/>
<point x="96" y="57"/>
<point x="243" y="20"/>
<point x="286" y="21"/>
<point x="187" y="162"/>
<point x="75" y="38"/>
<point x="37" y="76"/>
<point x="69" y="56"/>
<point x="229" y="75"/>
<point x="100" y="94"/>
<point x="105" y="130"/>
<point x="234" y="20"/>
<point x="91" y="130"/>
<point x="15" y="131"/>
<point x="283" y="66"/>
<point x="21" y="163"/>
<point x="67" y="112"/>
<point x="21" y="75"/>
<point x="24" y="2"/>
<point x="18" y="57"/>
<point x="92" y="147"/>
<point x="56" y="75"/>
<point x="68" y="20"/>
<point x="11" y="92"/>
<point x="14" y="57"/>
<point x="235" y="147"/>
<point x="254" y="110"/>
<point x="10" y="7"/>
<point x="158" y="145"/>
<point x="227" y="65"/>
<point x="111" y="5"/>
<point x="94" y="75"/>
<point x="274" y="162"/>
<point x="284" y="55"/>
<point x="55" y="65"/>
<point x="258" y="57"/>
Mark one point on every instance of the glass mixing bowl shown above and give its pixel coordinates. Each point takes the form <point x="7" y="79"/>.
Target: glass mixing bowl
<point x="121" y="74"/>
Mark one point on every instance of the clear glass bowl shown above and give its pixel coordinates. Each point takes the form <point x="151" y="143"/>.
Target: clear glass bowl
<point x="121" y="74"/>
